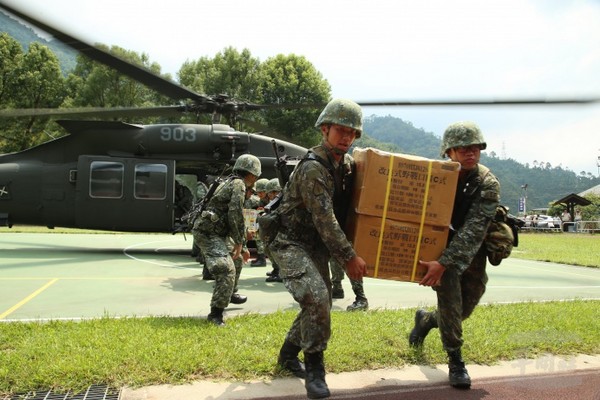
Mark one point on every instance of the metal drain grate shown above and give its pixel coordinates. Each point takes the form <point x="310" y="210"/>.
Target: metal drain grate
<point x="94" y="392"/>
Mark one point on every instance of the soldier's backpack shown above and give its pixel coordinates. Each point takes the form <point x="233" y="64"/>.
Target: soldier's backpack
<point x="269" y="221"/>
<point x="189" y="217"/>
<point x="503" y="233"/>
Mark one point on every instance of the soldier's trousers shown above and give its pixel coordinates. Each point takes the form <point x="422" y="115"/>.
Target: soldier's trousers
<point x="218" y="260"/>
<point x="337" y="275"/>
<point x="306" y="276"/>
<point x="457" y="296"/>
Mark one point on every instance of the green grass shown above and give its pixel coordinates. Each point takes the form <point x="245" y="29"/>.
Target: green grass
<point x="68" y="355"/>
<point x="565" y="248"/>
<point x="72" y="355"/>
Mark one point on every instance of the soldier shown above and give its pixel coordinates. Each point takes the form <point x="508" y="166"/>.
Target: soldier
<point x="459" y="276"/>
<point x="260" y="187"/>
<point x="273" y="188"/>
<point x="310" y="235"/>
<point x="222" y="223"/>
<point x="337" y="292"/>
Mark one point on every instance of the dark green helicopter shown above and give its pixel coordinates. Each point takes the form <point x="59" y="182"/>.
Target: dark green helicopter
<point x="119" y="176"/>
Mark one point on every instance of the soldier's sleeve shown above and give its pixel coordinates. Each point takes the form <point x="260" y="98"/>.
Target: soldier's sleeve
<point x="235" y="214"/>
<point x="317" y="196"/>
<point x="468" y="239"/>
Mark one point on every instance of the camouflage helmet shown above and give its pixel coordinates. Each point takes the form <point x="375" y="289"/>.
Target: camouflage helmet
<point x="261" y="185"/>
<point x="459" y="134"/>
<point x="273" y="186"/>
<point x="500" y="238"/>
<point x="342" y="112"/>
<point x="247" y="163"/>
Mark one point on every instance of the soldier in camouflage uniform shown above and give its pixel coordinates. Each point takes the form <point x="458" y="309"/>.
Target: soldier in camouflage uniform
<point x="310" y="235"/>
<point x="337" y="276"/>
<point x="273" y="188"/>
<point x="222" y="223"/>
<point x="459" y="276"/>
<point x="261" y="260"/>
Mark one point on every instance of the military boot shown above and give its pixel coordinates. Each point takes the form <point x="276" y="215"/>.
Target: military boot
<point x="288" y="359"/>
<point x="337" y="291"/>
<point x="260" y="261"/>
<point x="216" y="316"/>
<point x="274" y="277"/>
<point x="238" y="298"/>
<point x="316" y="387"/>
<point x="458" y="375"/>
<point x="360" y="304"/>
<point x="422" y="327"/>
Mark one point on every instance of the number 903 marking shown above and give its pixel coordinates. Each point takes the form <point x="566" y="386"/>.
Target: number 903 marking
<point x="177" y="134"/>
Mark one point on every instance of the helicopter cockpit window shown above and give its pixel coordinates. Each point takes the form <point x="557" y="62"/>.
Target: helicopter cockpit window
<point x="106" y="179"/>
<point x="151" y="181"/>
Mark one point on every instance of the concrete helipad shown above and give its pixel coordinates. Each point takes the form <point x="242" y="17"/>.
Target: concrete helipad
<point x="55" y="276"/>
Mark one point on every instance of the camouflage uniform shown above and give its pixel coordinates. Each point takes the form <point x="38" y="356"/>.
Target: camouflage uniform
<point x="272" y="188"/>
<point x="463" y="282"/>
<point x="216" y="230"/>
<point x="337" y="276"/>
<point x="220" y="230"/>
<point x="263" y="200"/>
<point x="463" y="279"/>
<point x="260" y="246"/>
<point x="309" y="237"/>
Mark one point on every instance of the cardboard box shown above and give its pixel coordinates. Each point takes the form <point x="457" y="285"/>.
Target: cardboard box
<point x="404" y="187"/>
<point x="395" y="254"/>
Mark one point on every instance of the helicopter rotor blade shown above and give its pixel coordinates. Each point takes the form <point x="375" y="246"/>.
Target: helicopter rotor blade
<point x="161" y="85"/>
<point x="94" y="112"/>
<point x="482" y="102"/>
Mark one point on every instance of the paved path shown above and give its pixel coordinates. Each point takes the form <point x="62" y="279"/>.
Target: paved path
<point x="86" y="276"/>
<point x="547" y="378"/>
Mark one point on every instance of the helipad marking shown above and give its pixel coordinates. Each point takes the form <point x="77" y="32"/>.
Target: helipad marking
<point x="133" y="246"/>
<point x="28" y="298"/>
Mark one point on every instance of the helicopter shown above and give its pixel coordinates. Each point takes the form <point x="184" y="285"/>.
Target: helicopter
<point x="119" y="176"/>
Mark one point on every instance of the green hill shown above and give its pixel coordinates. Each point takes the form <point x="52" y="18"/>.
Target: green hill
<point x="545" y="185"/>
<point x="25" y="35"/>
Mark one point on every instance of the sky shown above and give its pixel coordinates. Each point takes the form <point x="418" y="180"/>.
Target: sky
<point x="379" y="50"/>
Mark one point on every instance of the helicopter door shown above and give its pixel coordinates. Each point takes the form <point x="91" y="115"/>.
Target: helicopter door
<point x="125" y="194"/>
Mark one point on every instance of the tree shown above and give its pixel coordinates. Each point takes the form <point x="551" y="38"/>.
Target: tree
<point x="11" y="57"/>
<point x="231" y="73"/>
<point x="294" y="80"/>
<point x="95" y="85"/>
<point x="38" y="83"/>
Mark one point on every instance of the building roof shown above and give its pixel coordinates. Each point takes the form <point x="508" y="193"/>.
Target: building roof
<point x="573" y="199"/>
<point x="593" y="190"/>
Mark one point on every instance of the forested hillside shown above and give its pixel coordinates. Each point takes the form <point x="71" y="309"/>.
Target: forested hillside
<point x="25" y="35"/>
<point x="544" y="185"/>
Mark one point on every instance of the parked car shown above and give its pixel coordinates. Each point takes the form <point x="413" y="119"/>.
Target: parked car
<point x="541" y="221"/>
<point x="546" y="221"/>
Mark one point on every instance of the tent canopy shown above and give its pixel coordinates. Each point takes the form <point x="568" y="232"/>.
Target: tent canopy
<point x="571" y="200"/>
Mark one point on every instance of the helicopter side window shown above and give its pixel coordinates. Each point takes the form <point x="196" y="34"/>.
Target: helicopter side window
<point x="106" y="179"/>
<point x="150" y="181"/>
